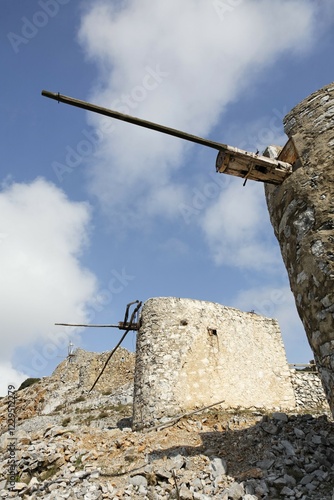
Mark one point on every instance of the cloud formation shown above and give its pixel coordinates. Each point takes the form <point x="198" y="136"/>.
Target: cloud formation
<point x="239" y="233"/>
<point x="42" y="278"/>
<point x="278" y="302"/>
<point x="179" y="64"/>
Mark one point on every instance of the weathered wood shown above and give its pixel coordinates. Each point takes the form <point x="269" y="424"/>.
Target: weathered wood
<point x="289" y="153"/>
<point x="176" y="419"/>
<point x="132" y="119"/>
<point x="230" y="160"/>
<point x="87" y="326"/>
<point x="247" y="165"/>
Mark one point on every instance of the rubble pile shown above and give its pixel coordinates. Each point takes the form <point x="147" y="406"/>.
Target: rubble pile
<point x="308" y="390"/>
<point x="76" y="444"/>
<point x="214" y="455"/>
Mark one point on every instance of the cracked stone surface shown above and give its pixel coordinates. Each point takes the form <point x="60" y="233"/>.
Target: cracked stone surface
<point x="302" y="214"/>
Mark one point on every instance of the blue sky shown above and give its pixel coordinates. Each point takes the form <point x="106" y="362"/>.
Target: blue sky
<point x="96" y="213"/>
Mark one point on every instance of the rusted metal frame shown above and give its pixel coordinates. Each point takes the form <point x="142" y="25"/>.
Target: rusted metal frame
<point x="135" y="312"/>
<point x="121" y="325"/>
<point x="130" y="326"/>
<point x="87" y="326"/>
<point x="126" y="314"/>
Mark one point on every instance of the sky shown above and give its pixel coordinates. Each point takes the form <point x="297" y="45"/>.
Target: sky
<point x="96" y="213"/>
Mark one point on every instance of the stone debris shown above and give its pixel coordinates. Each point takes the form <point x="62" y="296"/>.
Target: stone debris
<point x="241" y="462"/>
<point x="85" y="449"/>
<point x="308" y="389"/>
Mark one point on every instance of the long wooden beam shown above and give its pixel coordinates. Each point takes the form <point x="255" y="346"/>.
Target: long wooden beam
<point x="230" y="160"/>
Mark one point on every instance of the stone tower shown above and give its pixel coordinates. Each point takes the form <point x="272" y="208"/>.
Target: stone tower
<point x="192" y="353"/>
<point x="302" y="214"/>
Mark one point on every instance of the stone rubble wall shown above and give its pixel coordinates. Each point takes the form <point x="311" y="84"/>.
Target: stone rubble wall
<point x="192" y="353"/>
<point x="309" y="392"/>
<point x="302" y="214"/>
<point x="86" y="366"/>
<point x="78" y="377"/>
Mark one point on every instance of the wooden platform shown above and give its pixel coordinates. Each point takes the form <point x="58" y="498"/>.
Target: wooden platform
<point x="240" y="163"/>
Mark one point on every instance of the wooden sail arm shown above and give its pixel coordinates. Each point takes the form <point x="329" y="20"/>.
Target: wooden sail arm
<point x="230" y="160"/>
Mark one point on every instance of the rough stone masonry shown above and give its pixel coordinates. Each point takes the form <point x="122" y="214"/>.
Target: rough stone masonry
<point x="302" y="214"/>
<point x="192" y="353"/>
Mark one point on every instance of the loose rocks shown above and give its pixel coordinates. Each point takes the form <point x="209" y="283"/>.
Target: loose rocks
<point x="242" y="462"/>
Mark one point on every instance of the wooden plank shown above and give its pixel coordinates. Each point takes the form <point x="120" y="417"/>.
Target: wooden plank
<point x="289" y="153"/>
<point x="240" y="163"/>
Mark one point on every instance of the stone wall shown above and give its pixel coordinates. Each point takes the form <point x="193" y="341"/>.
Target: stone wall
<point x="192" y="353"/>
<point x="86" y="367"/>
<point x="309" y="392"/>
<point x="302" y="214"/>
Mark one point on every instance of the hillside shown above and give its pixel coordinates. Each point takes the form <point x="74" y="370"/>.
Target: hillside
<point x="75" y="444"/>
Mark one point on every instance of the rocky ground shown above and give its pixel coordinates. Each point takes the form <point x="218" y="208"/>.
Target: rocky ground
<point x="79" y="445"/>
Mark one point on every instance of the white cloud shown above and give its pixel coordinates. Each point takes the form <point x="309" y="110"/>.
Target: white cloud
<point x="182" y="64"/>
<point x="237" y="228"/>
<point x="42" y="280"/>
<point x="178" y="64"/>
<point x="260" y="132"/>
<point x="10" y="376"/>
<point x="278" y="302"/>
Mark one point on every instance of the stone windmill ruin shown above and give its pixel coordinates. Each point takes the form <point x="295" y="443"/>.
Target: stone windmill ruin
<point x="299" y="189"/>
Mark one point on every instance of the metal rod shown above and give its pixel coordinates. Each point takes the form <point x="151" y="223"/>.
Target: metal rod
<point x="133" y="315"/>
<point x="131" y="119"/>
<point x="87" y="326"/>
